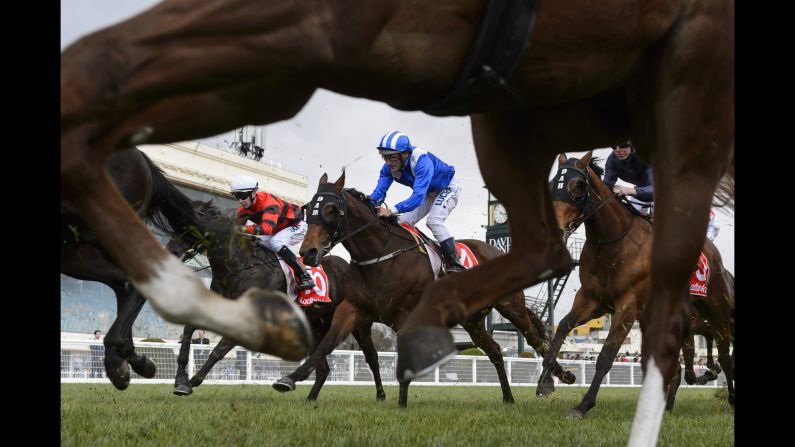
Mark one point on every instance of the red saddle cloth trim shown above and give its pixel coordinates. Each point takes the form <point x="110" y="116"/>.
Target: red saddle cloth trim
<point x="700" y="278"/>
<point x="465" y="256"/>
<point x="317" y="294"/>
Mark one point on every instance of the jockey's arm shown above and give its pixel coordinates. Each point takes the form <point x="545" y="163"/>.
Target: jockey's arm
<point x="422" y="180"/>
<point x="646" y="193"/>
<point x="611" y="174"/>
<point x="384" y="182"/>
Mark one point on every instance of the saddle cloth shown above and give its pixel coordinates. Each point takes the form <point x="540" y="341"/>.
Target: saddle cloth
<point x="700" y="278"/>
<point x="465" y="255"/>
<point x="317" y="294"/>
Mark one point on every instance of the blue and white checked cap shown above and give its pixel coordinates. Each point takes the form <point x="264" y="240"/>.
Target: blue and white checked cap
<point x="394" y="142"/>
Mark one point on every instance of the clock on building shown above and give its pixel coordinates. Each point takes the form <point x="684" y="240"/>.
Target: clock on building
<point x="500" y="215"/>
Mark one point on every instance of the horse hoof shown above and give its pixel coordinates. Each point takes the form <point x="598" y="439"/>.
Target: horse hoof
<point x="284" y="329"/>
<point x="568" y="377"/>
<point x="119" y="377"/>
<point x="144" y="367"/>
<point x="183" y="389"/>
<point x="380" y="397"/>
<point x="709" y="375"/>
<point x="196" y="381"/>
<point x="284" y="385"/>
<point x="421" y="350"/>
<point x="545" y="389"/>
<point x="576" y="414"/>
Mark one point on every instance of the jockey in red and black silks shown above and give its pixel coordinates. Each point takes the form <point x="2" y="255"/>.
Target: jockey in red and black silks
<point x="277" y="223"/>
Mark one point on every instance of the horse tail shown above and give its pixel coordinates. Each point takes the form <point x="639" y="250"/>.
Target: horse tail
<point x="538" y="326"/>
<point x="724" y="194"/>
<point x="170" y="211"/>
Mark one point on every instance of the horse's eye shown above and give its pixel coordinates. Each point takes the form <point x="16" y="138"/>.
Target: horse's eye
<point x="576" y="188"/>
<point x="329" y="213"/>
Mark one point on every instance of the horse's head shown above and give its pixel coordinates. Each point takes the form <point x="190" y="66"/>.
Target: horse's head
<point x="324" y="216"/>
<point x="574" y="190"/>
<point x="212" y="225"/>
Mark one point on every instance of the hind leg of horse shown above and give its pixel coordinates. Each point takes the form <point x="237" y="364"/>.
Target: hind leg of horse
<point x="725" y="360"/>
<point x="683" y="111"/>
<point x="117" y="350"/>
<point x="262" y="321"/>
<point x="321" y="374"/>
<point x="582" y="310"/>
<point x="520" y="180"/>
<point x="141" y="364"/>
<point x="714" y="368"/>
<point x="363" y="336"/>
<point x="689" y="352"/>
<point x="216" y="355"/>
<point x="476" y="328"/>
<point x="181" y="385"/>
<point x="346" y="317"/>
<point x="622" y="322"/>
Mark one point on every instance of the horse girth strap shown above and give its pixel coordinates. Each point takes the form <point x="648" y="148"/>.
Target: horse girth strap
<point x="390" y="255"/>
<point x="499" y="46"/>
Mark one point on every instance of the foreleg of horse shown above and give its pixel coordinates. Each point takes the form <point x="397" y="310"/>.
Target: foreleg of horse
<point x="582" y="310"/>
<point x="669" y="404"/>
<point x="181" y="385"/>
<point x="117" y="346"/>
<point x="346" y="317"/>
<point x="476" y="328"/>
<point x="219" y="352"/>
<point x="262" y="321"/>
<point x="684" y="114"/>
<point x="688" y="352"/>
<point x="321" y="374"/>
<point x="363" y="336"/>
<point x="725" y="360"/>
<point x="623" y="320"/>
<point x="713" y="367"/>
<point x="537" y="252"/>
<point x="141" y="364"/>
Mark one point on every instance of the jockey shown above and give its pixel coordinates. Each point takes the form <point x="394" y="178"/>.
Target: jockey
<point x="712" y="227"/>
<point x="435" y="190"/>
<point x="624" y="163"/>
<point x="277" y="223"/>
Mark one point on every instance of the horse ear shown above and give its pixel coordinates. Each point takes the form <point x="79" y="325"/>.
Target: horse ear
<point x="340" y="183"/>
<point x="561" y="159"/>
<point x="323" y="180"/>
<point x="585" y="160"/>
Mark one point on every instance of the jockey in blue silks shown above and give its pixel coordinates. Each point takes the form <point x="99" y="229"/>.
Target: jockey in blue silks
<point x="435" y="190"/>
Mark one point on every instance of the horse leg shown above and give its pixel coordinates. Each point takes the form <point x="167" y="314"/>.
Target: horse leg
<point x="476" y="328"/>
<point x="117" y="367"/>
<point x="262" y="321"/>
<point x="537" y="252"/>
<point x="675" y="382"/>
<point x="219" y="352"/>
<point x="346" y="317"/>
<point x="181" y="385"/>
<point x="363" y="336"/>
<point x="725" y="360"/>
<point x="689" y="352"/>
<point x="686" y="115"/>
<point x="582" y="310"/>
<point x="713" y="368"/>
<point x="141" y="364"/>
<point x="623" y="319"/>
<point x="321" y="374"/>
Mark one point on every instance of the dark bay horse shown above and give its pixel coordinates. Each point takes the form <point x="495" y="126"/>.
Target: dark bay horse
<point x="588" y="75"/>
<point x="238" y="263"/>
<point x="391" y="273"/>
<point x="157" y="201"/>
<point x="615" y="270"/>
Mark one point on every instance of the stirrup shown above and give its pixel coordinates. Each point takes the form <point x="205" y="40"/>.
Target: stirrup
<point x="305" y="284"/>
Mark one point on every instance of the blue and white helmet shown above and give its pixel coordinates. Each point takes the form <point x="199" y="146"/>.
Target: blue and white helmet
<point x="394" y="142"/>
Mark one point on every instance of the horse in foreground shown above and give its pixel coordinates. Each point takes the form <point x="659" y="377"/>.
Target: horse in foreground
<point x="536" y="81"/>
<point x="615" y="271"/>
<point x="391" y="267"/>
<point x="238" y="263"/>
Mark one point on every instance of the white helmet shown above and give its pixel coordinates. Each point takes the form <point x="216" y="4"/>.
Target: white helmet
<point x="244" y="183"/>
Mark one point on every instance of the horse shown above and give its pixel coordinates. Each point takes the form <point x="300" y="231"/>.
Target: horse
<point x="83" y="257"/>
<point x="391" y="271"/>
<point x="238" y="262"/>
<point x="615" y="271"/>
<point x="536" y="81"/>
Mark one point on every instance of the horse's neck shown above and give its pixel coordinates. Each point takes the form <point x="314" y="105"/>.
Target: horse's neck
<point x="610" y="221"/>
<point x="376" y="240"/>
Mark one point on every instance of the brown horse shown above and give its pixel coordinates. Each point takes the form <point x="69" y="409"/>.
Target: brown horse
<point x="660" y="72"/>
<point x="238" y="263"/>
<point x="615" y="270"/>
<point x="390" y="273"/>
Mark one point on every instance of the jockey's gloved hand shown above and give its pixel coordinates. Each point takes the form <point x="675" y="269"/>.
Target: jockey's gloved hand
<point x="244" y="229"/>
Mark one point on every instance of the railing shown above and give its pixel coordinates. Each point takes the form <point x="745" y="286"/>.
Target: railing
<point x="82" y="364"/>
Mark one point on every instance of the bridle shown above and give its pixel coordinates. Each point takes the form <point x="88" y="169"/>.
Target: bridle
<point x="585" y="204"/>
<point x="316" y="215"/>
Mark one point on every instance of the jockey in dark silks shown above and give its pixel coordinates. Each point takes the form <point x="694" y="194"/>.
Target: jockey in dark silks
<point x="625" y="164"/>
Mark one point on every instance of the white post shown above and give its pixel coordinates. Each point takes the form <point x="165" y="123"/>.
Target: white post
<point x="191" y="372"/>
<point x="510" y="363"/>
<point x="632" y="374"/>
<point x="474" y="369"/>
<point x="248" y="365"/>
<point x="582" y="371"/>
<point x="436" y="374"/>
<point x="350" y="365"/>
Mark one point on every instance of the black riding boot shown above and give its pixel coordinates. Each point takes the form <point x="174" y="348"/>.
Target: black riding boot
<point x="303" y="280"/>
<point x="452" y="264"/>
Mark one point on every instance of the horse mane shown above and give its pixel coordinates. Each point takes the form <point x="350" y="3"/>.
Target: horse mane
<point x="364" y="198"/>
